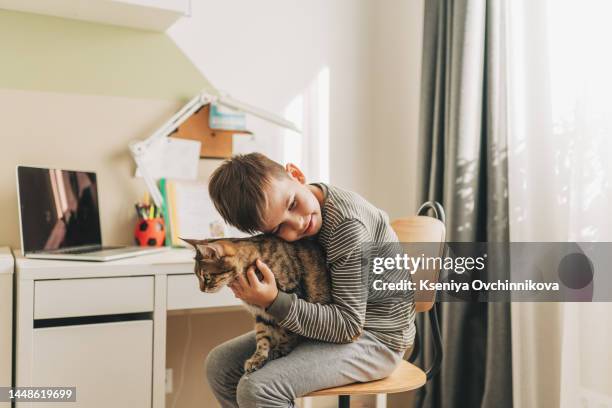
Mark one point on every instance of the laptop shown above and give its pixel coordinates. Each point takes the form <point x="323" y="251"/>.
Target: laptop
<point x="59" y="217"/>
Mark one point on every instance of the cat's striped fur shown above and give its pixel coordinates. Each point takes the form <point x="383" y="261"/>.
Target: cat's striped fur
<point x="299" y="267"/>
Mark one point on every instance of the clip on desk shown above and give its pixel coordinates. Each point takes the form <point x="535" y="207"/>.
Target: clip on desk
<point x="101" y="326"/>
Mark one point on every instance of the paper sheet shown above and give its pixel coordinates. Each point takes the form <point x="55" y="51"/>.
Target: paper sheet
<point x="173" y="158"/>
<point x="194" y="213"/>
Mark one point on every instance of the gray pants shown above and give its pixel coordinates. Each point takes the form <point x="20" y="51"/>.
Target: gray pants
<point x="311" y="366"/>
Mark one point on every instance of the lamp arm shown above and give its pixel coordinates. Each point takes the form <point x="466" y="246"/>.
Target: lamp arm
<point x="255" y="111"/>
<point x="138" y="148"/>
<point x="179" y="117"/>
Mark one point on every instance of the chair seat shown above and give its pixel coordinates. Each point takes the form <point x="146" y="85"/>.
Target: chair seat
<point x="406" y="377"/>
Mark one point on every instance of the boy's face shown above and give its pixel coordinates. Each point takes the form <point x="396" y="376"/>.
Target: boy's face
<point x="293" y="208"/>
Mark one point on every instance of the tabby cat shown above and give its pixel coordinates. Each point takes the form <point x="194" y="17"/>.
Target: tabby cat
<point x="299" y="267"/>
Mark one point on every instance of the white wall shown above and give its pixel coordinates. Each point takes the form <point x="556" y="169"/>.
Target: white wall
<point x="396" y="72"/>
<point x="267" y="52"/>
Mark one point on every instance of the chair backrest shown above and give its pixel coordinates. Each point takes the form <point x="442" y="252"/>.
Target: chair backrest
<point x="429" y="231"/>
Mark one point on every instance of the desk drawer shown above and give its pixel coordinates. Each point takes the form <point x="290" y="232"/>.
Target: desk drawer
<point x="184" y="293"/>
<point x="110" y="364"/>
<point x="91" y="297"/>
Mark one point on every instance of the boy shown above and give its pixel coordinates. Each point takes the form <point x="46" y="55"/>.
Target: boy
<point x="360" y="337"/>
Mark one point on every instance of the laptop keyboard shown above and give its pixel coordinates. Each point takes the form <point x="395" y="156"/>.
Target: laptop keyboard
<point x="84" y="250"/>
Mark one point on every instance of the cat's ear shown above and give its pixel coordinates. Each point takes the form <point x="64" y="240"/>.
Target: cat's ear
<point x="205" y="250"/>
<point x="214" y="251"/>
<point x="192" y="242"/>
<point x="210" y="252"/>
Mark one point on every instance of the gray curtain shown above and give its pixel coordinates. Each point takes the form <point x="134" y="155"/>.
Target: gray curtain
<point x="462" y="151"/>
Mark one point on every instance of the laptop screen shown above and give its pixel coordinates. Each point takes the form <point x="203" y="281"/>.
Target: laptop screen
<point x="58" y="208"/>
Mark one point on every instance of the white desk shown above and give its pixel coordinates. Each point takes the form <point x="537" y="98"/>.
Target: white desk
<point x="6" y="318"/>
<point x="64" y="336"/>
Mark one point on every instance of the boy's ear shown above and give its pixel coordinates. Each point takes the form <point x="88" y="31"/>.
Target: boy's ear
<point x="295" y="173"/>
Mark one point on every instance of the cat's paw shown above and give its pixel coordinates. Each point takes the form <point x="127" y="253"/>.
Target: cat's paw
<point x="278" y="353"/>
<point x="253" y="364"/>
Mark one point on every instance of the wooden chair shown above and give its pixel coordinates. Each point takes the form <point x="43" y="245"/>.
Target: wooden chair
<point x="407" y="376"/>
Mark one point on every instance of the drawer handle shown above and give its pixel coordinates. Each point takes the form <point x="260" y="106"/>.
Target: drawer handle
<point x="80" y="320"/>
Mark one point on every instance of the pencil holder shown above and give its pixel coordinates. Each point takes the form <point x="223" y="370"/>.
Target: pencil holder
<point x="150" y="232"/>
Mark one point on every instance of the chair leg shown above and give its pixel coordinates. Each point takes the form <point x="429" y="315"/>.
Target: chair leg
<point x="344" y="401"/>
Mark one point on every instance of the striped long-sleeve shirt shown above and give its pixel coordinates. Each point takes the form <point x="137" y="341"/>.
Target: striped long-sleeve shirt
<point x="349" y="222"/>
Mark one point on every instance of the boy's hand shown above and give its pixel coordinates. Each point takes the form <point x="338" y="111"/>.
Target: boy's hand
<point x="253" y="291"/>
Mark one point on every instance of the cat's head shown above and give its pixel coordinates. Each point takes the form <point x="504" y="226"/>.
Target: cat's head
<point x="217" y="263"/>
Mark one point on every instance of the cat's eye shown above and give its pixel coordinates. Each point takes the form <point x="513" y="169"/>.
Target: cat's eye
<point x="293" y="204"/>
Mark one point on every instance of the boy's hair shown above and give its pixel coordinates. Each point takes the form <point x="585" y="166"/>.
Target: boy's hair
<point x="236" y="188"/>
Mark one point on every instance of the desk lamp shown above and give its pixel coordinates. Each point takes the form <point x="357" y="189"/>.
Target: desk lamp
<point x="139" y="148"/>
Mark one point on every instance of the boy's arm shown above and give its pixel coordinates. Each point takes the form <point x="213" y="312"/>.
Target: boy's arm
<point x="341" y="321"/>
